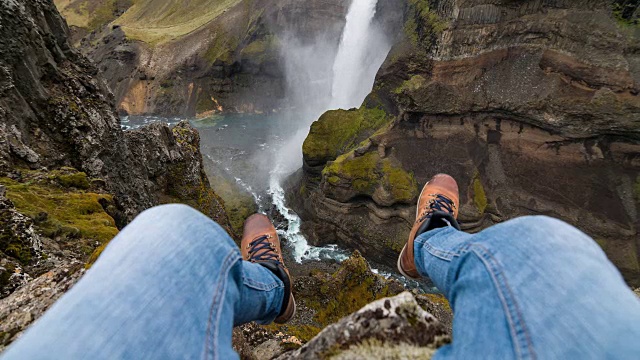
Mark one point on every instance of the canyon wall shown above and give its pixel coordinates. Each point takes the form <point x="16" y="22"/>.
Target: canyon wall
<point x="532" y="106"/>
<point x="69" y="176"/>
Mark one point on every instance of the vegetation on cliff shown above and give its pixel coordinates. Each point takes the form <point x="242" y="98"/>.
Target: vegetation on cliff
<point x="329" y="297"/>
<point x="382" y="179"/>
<point x="338" y="131"/>
<point x="63" y="208"/>
<point x="154" y="21"/>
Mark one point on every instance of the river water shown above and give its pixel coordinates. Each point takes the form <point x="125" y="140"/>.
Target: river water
<point x="258" y="151"/>
<point x="245" y="147"/>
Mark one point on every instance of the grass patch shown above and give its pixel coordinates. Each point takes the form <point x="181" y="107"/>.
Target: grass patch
<point x="159" y="21"/>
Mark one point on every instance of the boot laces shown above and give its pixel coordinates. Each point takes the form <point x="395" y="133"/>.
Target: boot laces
<point x="438" y="203"/>
<point x="261" y="249"/>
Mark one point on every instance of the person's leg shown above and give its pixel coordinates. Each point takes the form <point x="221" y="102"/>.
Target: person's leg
<point x="171" y="285"/>
<point x="533" y="287"/>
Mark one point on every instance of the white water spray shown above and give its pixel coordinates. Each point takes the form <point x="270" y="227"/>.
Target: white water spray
<point x="321" y="77"/>
<point x="359" y="56"/>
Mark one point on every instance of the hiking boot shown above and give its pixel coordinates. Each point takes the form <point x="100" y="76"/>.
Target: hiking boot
<point x="261" y="245"/>
<point x="437" y="207"/>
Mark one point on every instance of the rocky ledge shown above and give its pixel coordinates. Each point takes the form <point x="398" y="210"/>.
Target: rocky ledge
<point x="532" y="106"/>
<point x="390" y="328"/>
<point x="70" y="178"/>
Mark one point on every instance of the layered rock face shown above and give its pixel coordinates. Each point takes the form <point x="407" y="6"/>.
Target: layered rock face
<point x="532" y="106"/>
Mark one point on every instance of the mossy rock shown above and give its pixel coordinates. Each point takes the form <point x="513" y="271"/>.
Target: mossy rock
<point x="337" y="295"/>
<point x="75" y="217"/>
<point x="384" y="180"/>
<point x="339" y="131"/>
<point x="423" y="24"/>
<point x="238" y="203"/>
<point x="78" y="180"/>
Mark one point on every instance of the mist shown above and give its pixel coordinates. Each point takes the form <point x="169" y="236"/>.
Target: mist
<point x="328" y="73"/>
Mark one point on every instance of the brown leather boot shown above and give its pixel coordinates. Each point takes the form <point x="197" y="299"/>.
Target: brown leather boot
<point x="437" y="207"/>
<point x="261" y="245"/>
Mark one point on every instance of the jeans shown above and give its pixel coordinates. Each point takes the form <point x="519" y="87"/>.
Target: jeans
<point x="530" y="288"/>
<point x="172" y="285"/>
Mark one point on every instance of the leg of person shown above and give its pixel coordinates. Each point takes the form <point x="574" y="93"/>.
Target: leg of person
<point x="172" y="284"/>
<point x="533" y="287"/>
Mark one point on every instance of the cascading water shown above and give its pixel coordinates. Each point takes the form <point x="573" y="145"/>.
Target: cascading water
<point x="359" y="56"/>
<point x="321" y="77"/>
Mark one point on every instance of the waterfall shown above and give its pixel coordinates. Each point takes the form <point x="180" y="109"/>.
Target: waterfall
<point x="320" y="77"/>
<point x="359" y="56"/>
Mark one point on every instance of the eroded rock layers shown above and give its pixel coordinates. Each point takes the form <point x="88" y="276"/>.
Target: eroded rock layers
<point x="532" y="106"/>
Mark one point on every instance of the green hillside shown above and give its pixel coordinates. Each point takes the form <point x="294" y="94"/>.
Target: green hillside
<point x="157" y="21"/>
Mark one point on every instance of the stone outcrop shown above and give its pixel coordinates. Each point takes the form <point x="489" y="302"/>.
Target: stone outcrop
<point x="532" y="106"/>
<point x="69" y="176"/>
<point x="394" y="328"/>
<point x="27" y="304"/>
<point x="55" y="111"/>
<point x="341" y="312"/>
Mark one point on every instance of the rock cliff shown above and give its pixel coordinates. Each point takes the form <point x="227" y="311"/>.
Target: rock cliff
<point x="69" y="176"/>
<point x="532" y="106"/>
<point x="171" y="58"/>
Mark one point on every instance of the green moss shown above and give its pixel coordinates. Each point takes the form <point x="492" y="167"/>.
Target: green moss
<point x="347" y="290"/>
<point x="76" y="180"/>
<point x="238" y="204"/>
<point x="479" y="196"/>
<point x="338" y="131"/>
<point x="439" y="299"/>
<point x="623" y="12"/>
<point x="74" y="217"/>
<point x="360" y="172"/>
<point x="365" y="173"/>
<point x="402" y="185"/>
<point x="423" y="24"/>
<point x="416" y="82"/>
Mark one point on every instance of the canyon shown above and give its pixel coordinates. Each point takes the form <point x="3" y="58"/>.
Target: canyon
<point x="532" y="106"/>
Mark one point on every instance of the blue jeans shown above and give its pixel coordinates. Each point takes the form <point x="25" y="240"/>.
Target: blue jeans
<point x="530" y="288"/>
<point x="172" y="285"/>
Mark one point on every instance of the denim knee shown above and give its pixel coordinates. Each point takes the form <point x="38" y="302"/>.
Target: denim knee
<point x="172" y="218"/>
<point x="547" y="232"/>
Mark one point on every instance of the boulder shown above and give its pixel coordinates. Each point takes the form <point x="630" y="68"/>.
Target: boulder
<point x="395" y="327"/>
